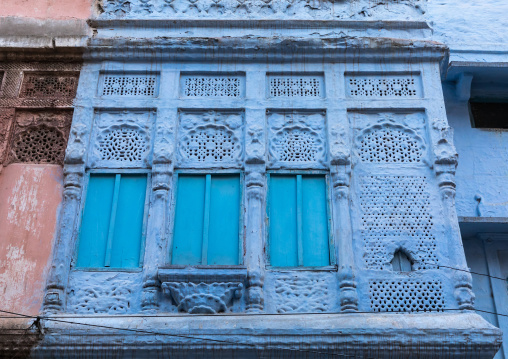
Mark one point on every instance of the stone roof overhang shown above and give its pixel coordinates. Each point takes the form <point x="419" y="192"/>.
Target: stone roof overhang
<point x="358" y="335"/>
<point x="273" y="48"/>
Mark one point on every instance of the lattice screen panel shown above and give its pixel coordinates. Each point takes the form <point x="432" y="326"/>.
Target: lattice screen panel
<point x="228" y="86"/>
<point x="210" y="138"/>
<point x="49" y="85"/>
<point x="39" y="136"/>
<point x="384" y="86"/>
<point x="397" y="208"/>
<point x="135" y="85"/>
<point x="122" y="139"/>
<point x="406" y="295"/>
<point x="296" y="86"/>
<point x="390" y="145"/>
<point x="123" y="145"/>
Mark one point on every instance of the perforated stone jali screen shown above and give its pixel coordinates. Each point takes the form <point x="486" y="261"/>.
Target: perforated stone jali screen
<point x="406" y="295"/>
<point x="295" y="86"/>
<point x="384" y="86"/>
<point x="397" y="208"/>
<point x="137" y="85"/>
<point x="212" y="138"/>
<point x="390" y="145"/>
<point x="200" y="85"/>
<point x="49" y="85"/>
<point x="40" y="144"/>
<point x="122" y="139"/>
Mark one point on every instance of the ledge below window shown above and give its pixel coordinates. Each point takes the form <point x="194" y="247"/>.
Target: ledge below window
<point x="358" y="335"/>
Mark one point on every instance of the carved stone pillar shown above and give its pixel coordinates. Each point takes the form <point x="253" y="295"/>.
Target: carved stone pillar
<point x="254" y="237"/>
<point x="156" y="239"/>
<point x="156" y="235"/>
<point x="64" y="246"/>
<point x="348" y="298"/>
<point x="343" y="235"/>
<point x="445" y="164"/>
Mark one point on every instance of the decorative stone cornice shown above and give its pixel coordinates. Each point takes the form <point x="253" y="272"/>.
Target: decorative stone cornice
<point x="348" y="48"/>
<point x="260" y="9"/>
<point x="450" y="335"/>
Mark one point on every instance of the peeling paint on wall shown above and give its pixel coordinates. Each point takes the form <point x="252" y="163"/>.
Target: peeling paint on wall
<point x="31" y="195"/>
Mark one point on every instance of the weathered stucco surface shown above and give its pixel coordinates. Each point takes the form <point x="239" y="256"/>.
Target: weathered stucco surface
<point x="47" y="9"/>
<point x="469" y="24"/>
<point x="483" y="163"/>
<point x="30" y="197"/>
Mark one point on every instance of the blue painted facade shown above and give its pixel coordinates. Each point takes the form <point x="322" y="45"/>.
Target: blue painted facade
<point x="276" y="178"/>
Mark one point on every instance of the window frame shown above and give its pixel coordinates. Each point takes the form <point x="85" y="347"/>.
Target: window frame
<point x="331" y="247"/>
<point x="144" y="229"/>
<point x="174" y="195"/>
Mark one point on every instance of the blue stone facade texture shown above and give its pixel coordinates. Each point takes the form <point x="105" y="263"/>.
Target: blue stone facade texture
<point x="358" y="94"/>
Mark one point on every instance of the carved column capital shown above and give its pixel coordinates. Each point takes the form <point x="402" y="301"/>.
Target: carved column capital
<point x="76" y="148"/>
<point x="464" y="290"/>
<point x="444" y="150"/>
<point x="161" y="177"/>
<point x="255" y="144"/>
<point x="341" y="179"/>
<point x="164" y="146"/>
<point x="340" y="153"/>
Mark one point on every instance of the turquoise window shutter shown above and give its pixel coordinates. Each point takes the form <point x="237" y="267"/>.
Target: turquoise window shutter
<point x="95" y="222"/>
<point x="189" y="217"/>
<point x="223" y="236"/>
<point x="298" y="221"/>
<point x="316" y="246"/>
<point x="207" y="220"/>
<point x="282" y="221"/>
<point x="127" y="239"/>
<point x="112" y="226"/>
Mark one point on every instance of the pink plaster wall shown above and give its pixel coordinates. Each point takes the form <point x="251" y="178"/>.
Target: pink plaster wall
<point x="29" y="199"/>
<point x="47" y="9"/>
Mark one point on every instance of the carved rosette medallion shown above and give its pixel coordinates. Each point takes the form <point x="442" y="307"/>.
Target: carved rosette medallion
<point x="122" y="139"/>
<point x="297" y="139"/>
<point x="210" y="139"/>
<point x="40" y="136"/>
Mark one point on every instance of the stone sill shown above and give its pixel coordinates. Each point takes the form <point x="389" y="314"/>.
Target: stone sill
<point x="375" y="335"/>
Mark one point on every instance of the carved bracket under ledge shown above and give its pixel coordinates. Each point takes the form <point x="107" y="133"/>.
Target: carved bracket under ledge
<point x="203" y="290"/>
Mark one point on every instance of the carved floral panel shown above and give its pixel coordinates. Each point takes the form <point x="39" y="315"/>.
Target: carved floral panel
<point x="297" y="139"/>
<point x="39" y="136"/>
<point x="210" y="138"/>
<point x="122" y="139"/>
<point x="103" y="293"/>
<point x="303" y="292"/>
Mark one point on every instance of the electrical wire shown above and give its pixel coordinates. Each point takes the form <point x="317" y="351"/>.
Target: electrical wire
<point x="15" y="315"/>
<point x="467" y="271"/>
<point x="176" y="335"/>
